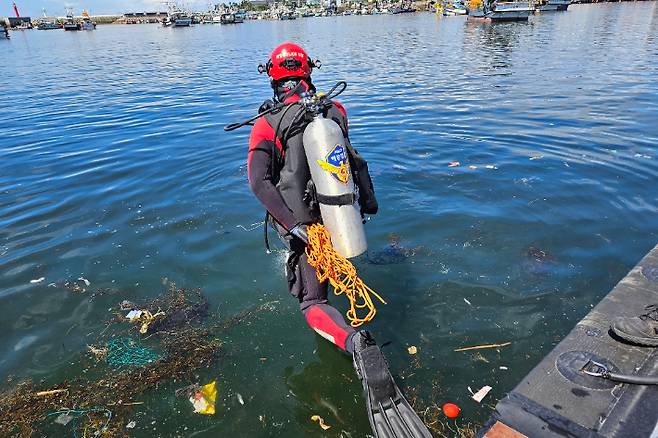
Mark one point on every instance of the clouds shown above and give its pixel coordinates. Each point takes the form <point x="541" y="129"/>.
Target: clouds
<point x="33" y="8"/>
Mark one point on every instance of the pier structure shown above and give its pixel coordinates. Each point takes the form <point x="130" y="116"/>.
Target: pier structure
<point x="558" y="398"/>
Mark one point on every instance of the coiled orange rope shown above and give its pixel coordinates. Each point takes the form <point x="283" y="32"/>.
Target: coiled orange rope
<point x="329" y="265"/>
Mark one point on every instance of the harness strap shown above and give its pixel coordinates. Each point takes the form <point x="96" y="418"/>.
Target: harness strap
<point x="265" y="227"/>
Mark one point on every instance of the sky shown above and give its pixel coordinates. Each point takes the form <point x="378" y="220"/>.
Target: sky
<point x="33" y="8"/>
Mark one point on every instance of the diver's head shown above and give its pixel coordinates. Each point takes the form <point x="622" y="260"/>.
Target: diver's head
<point x="289" y="68"/>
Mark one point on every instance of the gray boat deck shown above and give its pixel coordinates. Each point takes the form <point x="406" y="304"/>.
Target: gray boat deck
<point x="557" y="400"/>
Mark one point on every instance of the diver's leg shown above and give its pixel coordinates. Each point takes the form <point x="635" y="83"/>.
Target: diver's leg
<point x="320" y="316"/>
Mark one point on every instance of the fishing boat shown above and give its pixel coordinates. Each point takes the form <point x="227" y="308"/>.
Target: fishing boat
<point x="177" y="18"/>
<point x="231" y="18"/>
<point x="86" y="23"/>
<point x="70" y="23"/>
<point x="450" y="9"/>
<point x="287" y="15"/>
<point x="45" y="24"/>
<point x="49" y="25"/>
<point x="552" y="5"/>
<point x="497" y="10"/>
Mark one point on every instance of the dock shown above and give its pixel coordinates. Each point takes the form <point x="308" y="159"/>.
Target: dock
<point x="557" y="399"/>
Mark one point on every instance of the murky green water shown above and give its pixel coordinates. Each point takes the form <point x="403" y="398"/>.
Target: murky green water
<point x="114" y="168"/>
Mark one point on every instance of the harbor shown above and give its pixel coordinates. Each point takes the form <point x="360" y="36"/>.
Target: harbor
<point x="177" y="16"/>
<point x="514" y="163"/>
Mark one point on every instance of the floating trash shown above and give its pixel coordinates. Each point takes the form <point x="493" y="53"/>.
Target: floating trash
<point x="451" y="410"/>
<point x="482" y="393"/>
<point x="126" y="351"/>
<point x="203" y="400"/>
<point x="320" y="421"/>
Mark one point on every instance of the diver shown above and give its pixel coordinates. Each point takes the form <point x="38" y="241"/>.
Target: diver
<point x="279" y="176"/>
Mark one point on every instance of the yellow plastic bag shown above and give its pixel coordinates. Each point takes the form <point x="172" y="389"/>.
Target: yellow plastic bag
<point x="204" y="399"/>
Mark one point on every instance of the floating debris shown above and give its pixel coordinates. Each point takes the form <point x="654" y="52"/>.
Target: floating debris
<point x="454" y="164"/>
<point x="412" y="350"/>
<point x="536" y="157"/>
<point x="467" y="302"/>
<point x="451" y="410"/>
<point x="131" y="425"/>
<point x="320" y="421"/>
<point x="85" y="281"/>
<point x="52" y="392"/>
<point x="252" y="227"/>
<point x="478" y="347"/>
<point x="126" y="351"/>
<point x="482" y="393"/>
<point x="240" y="400"/>
<point x="204" y="399"/>
<point x="37" y="280"/>
<point x="133" y="315"/>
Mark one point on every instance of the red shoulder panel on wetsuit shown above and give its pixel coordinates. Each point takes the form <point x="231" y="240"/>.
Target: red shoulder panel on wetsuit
<point x="262" y="131"/>
<point x="341" y="108"/>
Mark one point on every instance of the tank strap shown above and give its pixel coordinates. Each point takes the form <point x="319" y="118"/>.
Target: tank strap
<point x="345" y="199"/>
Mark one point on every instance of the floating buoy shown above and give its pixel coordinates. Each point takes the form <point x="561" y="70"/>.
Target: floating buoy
<point x="451" y="410"/>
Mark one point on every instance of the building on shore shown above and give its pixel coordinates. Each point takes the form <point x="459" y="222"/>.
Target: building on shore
<point x="20" y="22"/>
<point x="143" y="17"/>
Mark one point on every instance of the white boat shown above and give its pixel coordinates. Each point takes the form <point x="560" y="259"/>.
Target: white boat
<point x="231" y="18"/>
<point x="176" y="18"/>
<point x="71" y="24"/>
<point x="499" y="10"/>
<point x="510" y="11"/>
<point x="86" y="23"/>
<point x="553" y="5"/>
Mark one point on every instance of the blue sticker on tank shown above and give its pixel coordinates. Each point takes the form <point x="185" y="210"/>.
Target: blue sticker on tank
<point x="336" y="163"/>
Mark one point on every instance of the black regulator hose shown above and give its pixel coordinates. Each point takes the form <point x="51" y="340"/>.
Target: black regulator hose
<point x="336" y="90"/>
<point x="331" y="94"/>
<point x="234" y="126"/>
<point x="634" y="380"/>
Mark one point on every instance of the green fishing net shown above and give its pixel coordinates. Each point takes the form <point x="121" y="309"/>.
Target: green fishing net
<point x="127" y="351"/>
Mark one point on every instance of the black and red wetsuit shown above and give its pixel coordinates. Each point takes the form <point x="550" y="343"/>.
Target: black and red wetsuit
<point x="282" y="194"/>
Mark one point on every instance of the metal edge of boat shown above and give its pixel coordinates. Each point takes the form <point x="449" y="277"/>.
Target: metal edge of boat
<point x="556" y="399"/>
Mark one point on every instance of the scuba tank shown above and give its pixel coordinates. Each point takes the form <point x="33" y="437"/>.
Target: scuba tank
<point x="327" y="155"/>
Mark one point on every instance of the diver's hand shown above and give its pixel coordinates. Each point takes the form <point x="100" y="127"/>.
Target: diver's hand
<point x="299" y="231"/>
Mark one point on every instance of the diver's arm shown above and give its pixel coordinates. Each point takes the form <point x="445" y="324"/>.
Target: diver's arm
<point x="260" y="179"/>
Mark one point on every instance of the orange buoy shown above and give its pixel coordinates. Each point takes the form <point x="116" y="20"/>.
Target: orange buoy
<point x="451" y="410"/>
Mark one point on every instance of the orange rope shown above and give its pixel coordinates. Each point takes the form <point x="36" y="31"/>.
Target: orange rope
<point x="329" y="265"/>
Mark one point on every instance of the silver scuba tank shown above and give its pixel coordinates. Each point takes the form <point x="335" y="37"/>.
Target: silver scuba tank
<point x="326" y="153"/>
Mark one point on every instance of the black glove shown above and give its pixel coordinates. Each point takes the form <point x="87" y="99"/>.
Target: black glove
<point x="299" y="231"/>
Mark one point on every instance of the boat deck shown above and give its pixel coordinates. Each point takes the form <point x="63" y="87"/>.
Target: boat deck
<point x="556" y="399"/>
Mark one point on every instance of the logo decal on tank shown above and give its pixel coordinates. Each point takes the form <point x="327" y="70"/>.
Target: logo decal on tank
<point x="336" y="163"/>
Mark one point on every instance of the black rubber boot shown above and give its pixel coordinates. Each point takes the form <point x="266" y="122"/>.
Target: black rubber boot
<point x="642" y="330"/>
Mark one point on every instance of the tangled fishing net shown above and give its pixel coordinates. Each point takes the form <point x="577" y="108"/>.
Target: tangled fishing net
<point x="329" y="265"/>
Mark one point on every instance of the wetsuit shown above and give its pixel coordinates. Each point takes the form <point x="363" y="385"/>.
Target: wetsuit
<point x="265" y="146"/>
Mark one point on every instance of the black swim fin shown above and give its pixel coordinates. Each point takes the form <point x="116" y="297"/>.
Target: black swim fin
<point x="389" y="413"/>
